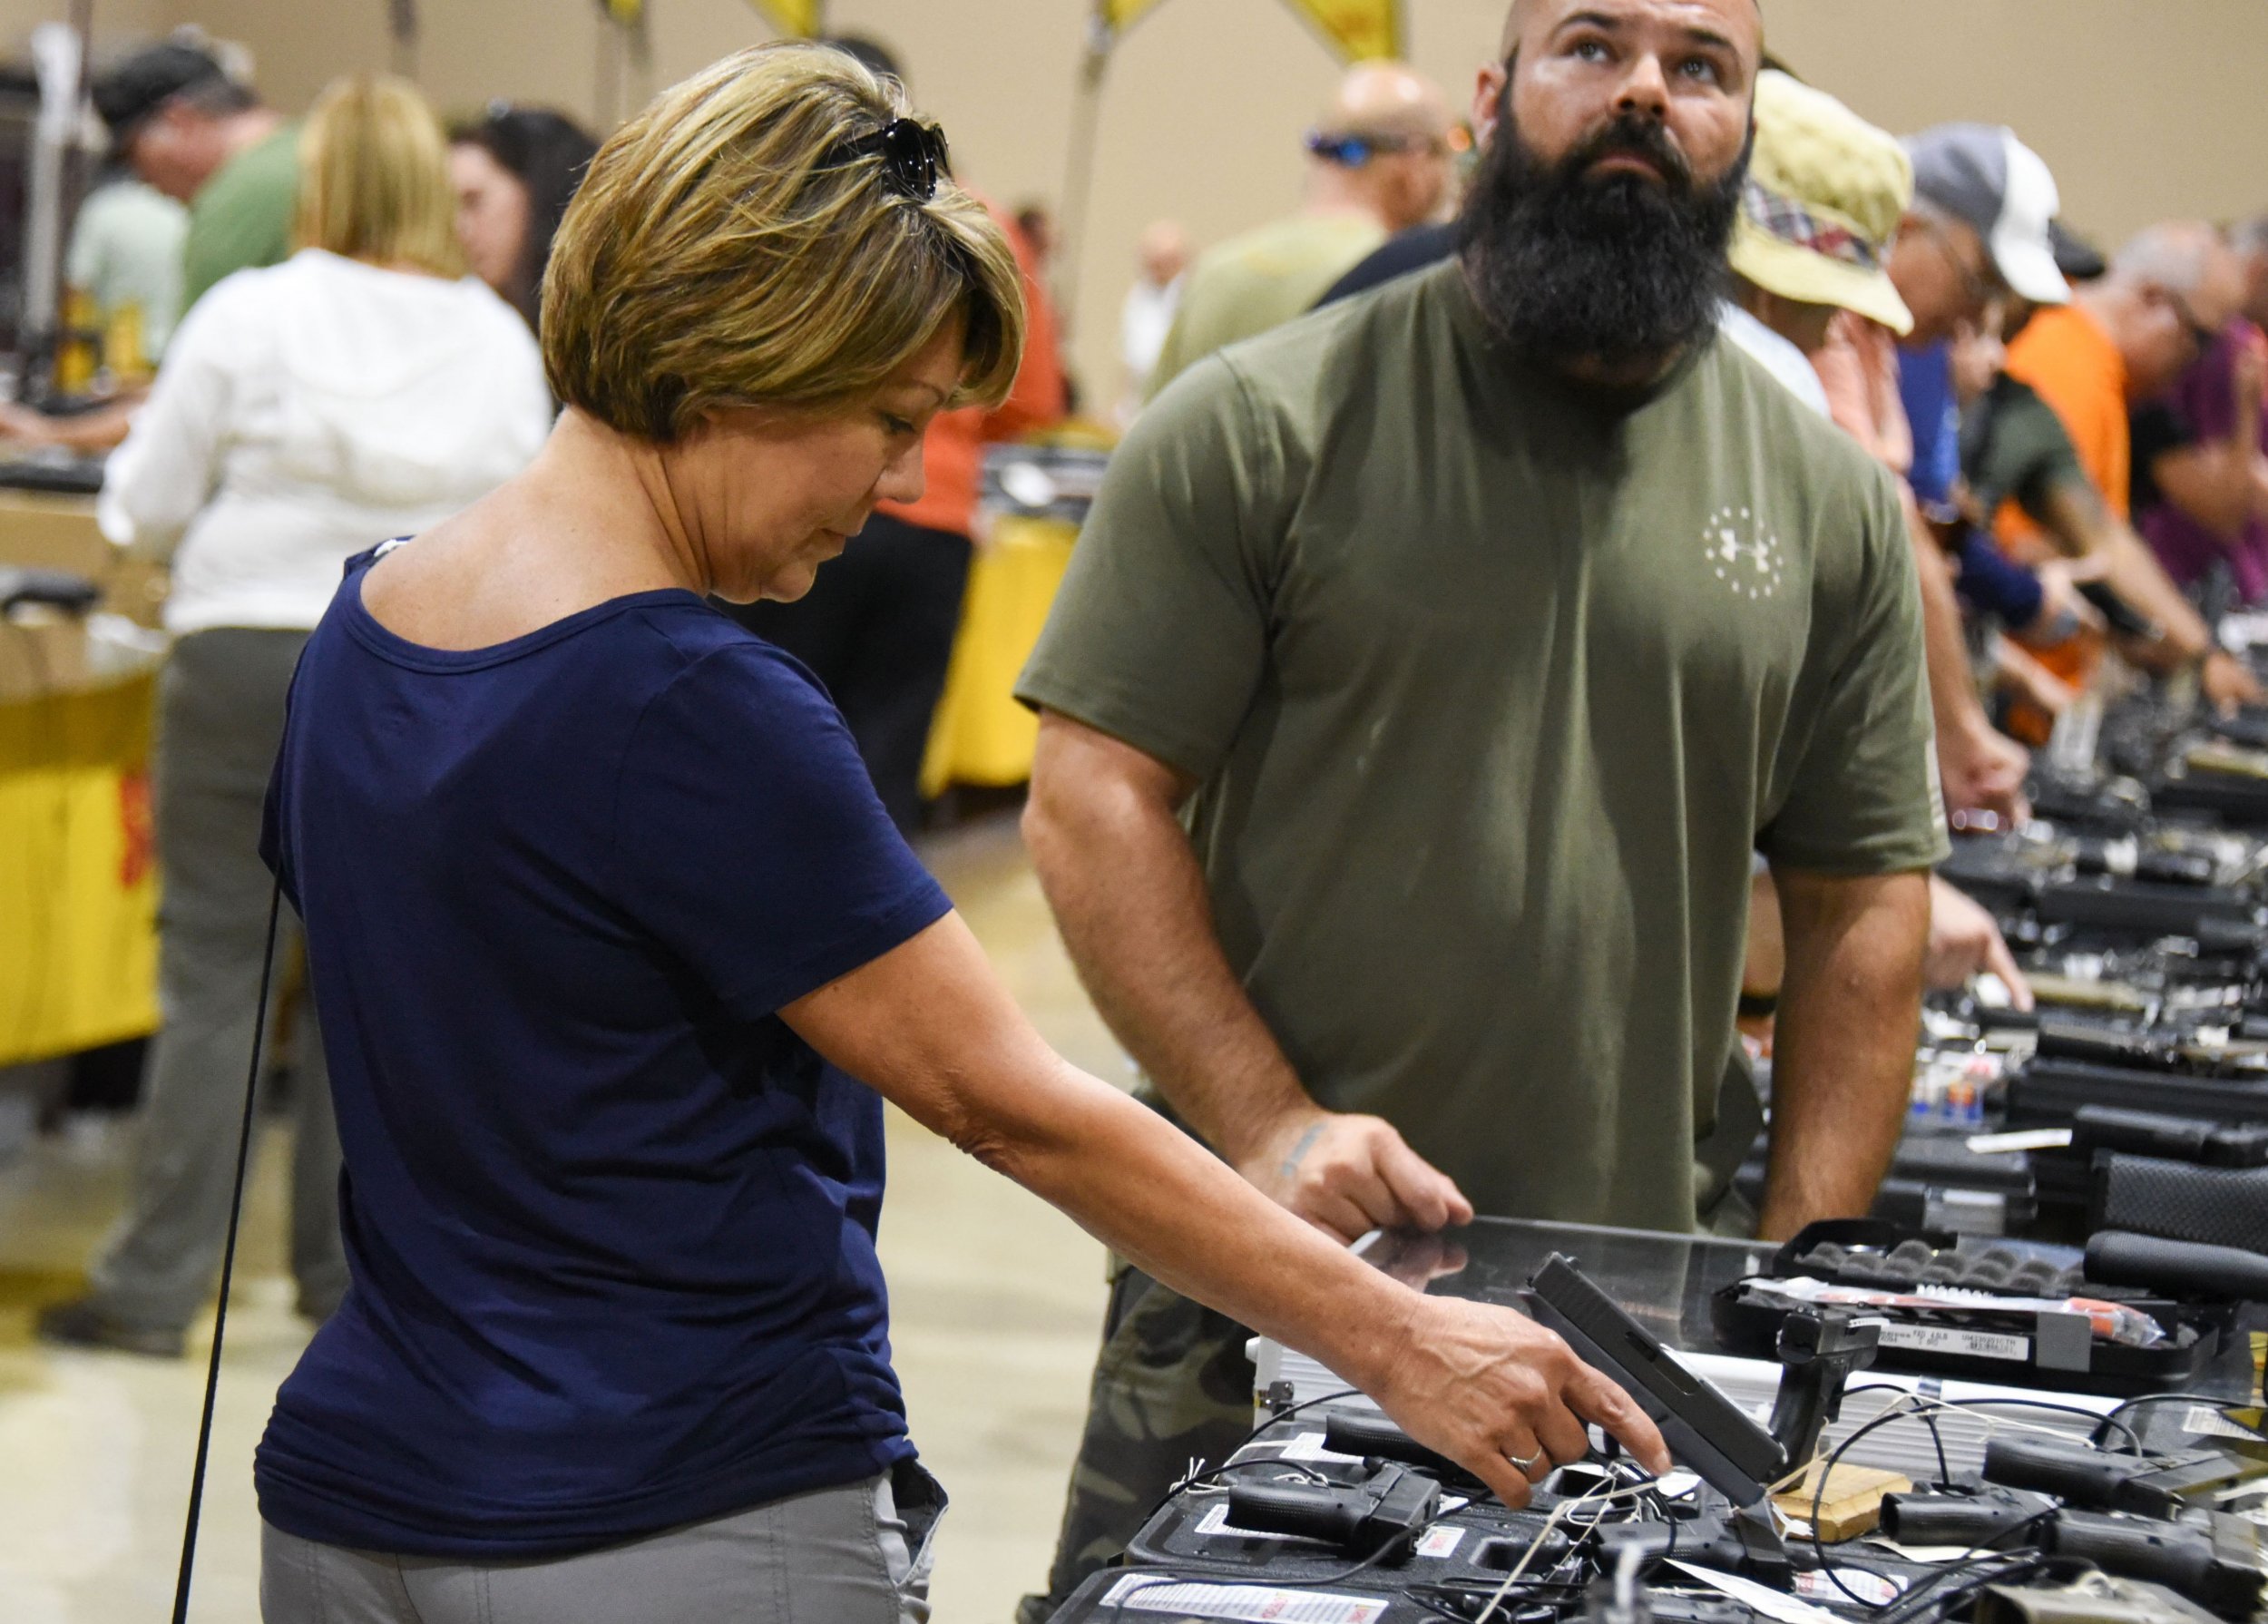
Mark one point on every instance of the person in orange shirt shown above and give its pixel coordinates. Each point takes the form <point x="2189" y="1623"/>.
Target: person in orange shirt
<point x="877" y="629"/>
<point x="2122" y="341"/>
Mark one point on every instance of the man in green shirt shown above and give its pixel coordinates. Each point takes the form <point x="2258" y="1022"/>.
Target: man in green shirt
<point x="197" y="135"/>
<point x="1377" y="161"/>
<point x="187" y="129"/>
<point x="1425" y="676"/>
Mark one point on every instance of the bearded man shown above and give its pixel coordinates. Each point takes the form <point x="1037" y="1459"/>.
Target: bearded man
<point x="1426" y="676"/>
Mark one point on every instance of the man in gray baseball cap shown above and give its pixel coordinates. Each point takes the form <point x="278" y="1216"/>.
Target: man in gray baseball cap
<point x="1982" y="204"/>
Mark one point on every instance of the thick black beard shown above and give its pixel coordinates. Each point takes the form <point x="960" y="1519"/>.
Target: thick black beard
<point x="1614" y="269"/>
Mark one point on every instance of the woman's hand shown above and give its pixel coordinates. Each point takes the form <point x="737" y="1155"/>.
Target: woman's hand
<point x="1490" y="1388"/>
<point x="928" y="1026"/>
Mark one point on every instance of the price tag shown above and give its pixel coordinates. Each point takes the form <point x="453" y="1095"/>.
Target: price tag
<point x="1439" y="1542"/>
<point x="1945" y="1339"/>
<point x="1261" y="1604"/>
<point x="2202" y="1423"/>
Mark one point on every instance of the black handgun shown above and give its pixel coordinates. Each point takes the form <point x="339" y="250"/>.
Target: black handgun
<point x="1375" y="1438"/>
<point x="1704" y="1429"/>
<point x="2188" y="1560"/>
<point x="1375" y="1517"/>
<point x="1986" y="1520"/>
<point x="2182" y="1268"/>
<point x="2156" y="1486"/>
<point x="2176" y="1139"/>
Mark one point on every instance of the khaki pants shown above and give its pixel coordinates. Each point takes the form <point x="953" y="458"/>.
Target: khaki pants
<point x="847" y="1555"/>
<point x="220" y="708"/>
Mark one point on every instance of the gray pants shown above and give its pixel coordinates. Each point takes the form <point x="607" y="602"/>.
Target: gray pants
<point x="221" y="704"/>
<point x="833" y="1556"/>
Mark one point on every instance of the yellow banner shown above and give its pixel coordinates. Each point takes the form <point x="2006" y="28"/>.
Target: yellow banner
<point x="79" y="956"/>
<point x="798" y="17"/>
<point x="1357" y="30"/>
<point x="1120" y="15"/>
<point x="623" y="12"/>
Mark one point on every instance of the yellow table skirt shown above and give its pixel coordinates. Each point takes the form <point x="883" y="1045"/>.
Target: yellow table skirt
<point x="981" y="735"/>
<point x="78" y="872"/>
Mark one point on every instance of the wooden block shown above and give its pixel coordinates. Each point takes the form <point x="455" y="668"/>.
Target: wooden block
<point x="1853" y="1504"/>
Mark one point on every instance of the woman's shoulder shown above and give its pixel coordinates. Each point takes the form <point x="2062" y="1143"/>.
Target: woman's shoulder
<point x="705" y="656"/>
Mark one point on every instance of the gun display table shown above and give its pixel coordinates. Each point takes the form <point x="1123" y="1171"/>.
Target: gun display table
<point x="1668" y="1282"/>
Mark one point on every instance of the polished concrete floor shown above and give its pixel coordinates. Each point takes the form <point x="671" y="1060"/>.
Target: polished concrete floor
<point x="997" y="1296"/>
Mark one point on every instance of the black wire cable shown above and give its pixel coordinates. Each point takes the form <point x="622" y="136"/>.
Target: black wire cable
<point x="2145" y="1400"/>
<point x="1835" y="1459"/>
<point x="227" y="1269"/>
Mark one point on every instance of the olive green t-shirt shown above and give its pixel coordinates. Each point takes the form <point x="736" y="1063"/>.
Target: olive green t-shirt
<point x="2014" y="448"/>
<point x="242" y="216"/>
<point x="1243" y="287"/>
<point x="1491" y="688"/>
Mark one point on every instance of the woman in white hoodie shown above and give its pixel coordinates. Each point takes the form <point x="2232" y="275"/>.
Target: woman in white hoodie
<point x="362" y="389"/>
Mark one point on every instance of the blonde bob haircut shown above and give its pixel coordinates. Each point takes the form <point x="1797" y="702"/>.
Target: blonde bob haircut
<point x="374" y="177"/>
<point x="725" y="250"/>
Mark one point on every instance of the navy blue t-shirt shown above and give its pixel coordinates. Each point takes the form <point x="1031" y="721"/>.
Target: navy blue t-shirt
<point x="611" y="1224"/>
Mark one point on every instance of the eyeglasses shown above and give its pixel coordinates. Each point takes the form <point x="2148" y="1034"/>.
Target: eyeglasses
<point x="1978" y="284"/>
<point x="913" y="157"/>
<point x="1354" y="150"/>
<point x="2200" y="337"/>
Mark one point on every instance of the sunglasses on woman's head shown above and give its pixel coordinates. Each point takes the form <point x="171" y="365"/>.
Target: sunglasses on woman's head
<point x="913" y="156"/>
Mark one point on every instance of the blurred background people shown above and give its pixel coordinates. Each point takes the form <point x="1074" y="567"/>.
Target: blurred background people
<point x="514" y="170"/>
<point x="362" y="389"/>
<point x="877" y="628"/>
<point x="2200" y="457"/>
<point x="1147" y="315"/>
<point x="1824" y="196"/>
<point x="191" y="132"/>
<point x="1378" y="160"/>
<point x="200" y="137"/>
<point x="2121" y="341"/>
<point x="126" y="260"/>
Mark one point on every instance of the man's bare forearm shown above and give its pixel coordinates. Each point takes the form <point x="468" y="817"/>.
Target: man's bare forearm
<point x="1120" y="873"/>
<point x="1842" y="1050"/>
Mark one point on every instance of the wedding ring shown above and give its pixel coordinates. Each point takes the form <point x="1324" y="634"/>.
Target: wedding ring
<point x="1526" y="1462"/>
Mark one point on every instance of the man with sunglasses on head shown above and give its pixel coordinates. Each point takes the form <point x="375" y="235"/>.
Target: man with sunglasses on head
<point x="1429" y="670"/>
<point x="1378" y="160"/>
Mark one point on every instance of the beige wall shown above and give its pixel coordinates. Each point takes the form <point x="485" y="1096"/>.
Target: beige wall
<point x="2142" y="107"/>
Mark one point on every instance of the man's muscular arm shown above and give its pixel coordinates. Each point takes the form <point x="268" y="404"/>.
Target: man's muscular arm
<point x="1843" y="1051"/>
<point x="1129" y="897"/>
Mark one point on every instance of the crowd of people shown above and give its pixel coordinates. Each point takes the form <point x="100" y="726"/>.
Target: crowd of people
<point x="1553" y="591"/>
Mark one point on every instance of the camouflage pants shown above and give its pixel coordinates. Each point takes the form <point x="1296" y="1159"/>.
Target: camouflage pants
<point x="1172" y="1385"/>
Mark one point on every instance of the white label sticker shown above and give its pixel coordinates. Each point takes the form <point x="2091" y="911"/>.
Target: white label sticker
<point x="2021" y="1139"/>
<point x="1870" y="1588"/>
<point x="1944" y="1339"/>
<point x="1263" y="1604"/>
<point x="2202" y="1423"/>
<point x="1439" y="1542"/>
<point x="1306" y="1446"/>
<point x="1786" y="1610"/>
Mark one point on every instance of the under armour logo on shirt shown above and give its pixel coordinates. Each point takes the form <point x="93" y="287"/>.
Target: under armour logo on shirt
<point x="1745" y="555"/>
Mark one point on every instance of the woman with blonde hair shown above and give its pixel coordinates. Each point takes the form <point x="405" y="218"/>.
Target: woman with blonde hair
<point x="363" y="388"/>
<point x="618" y="954"/>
